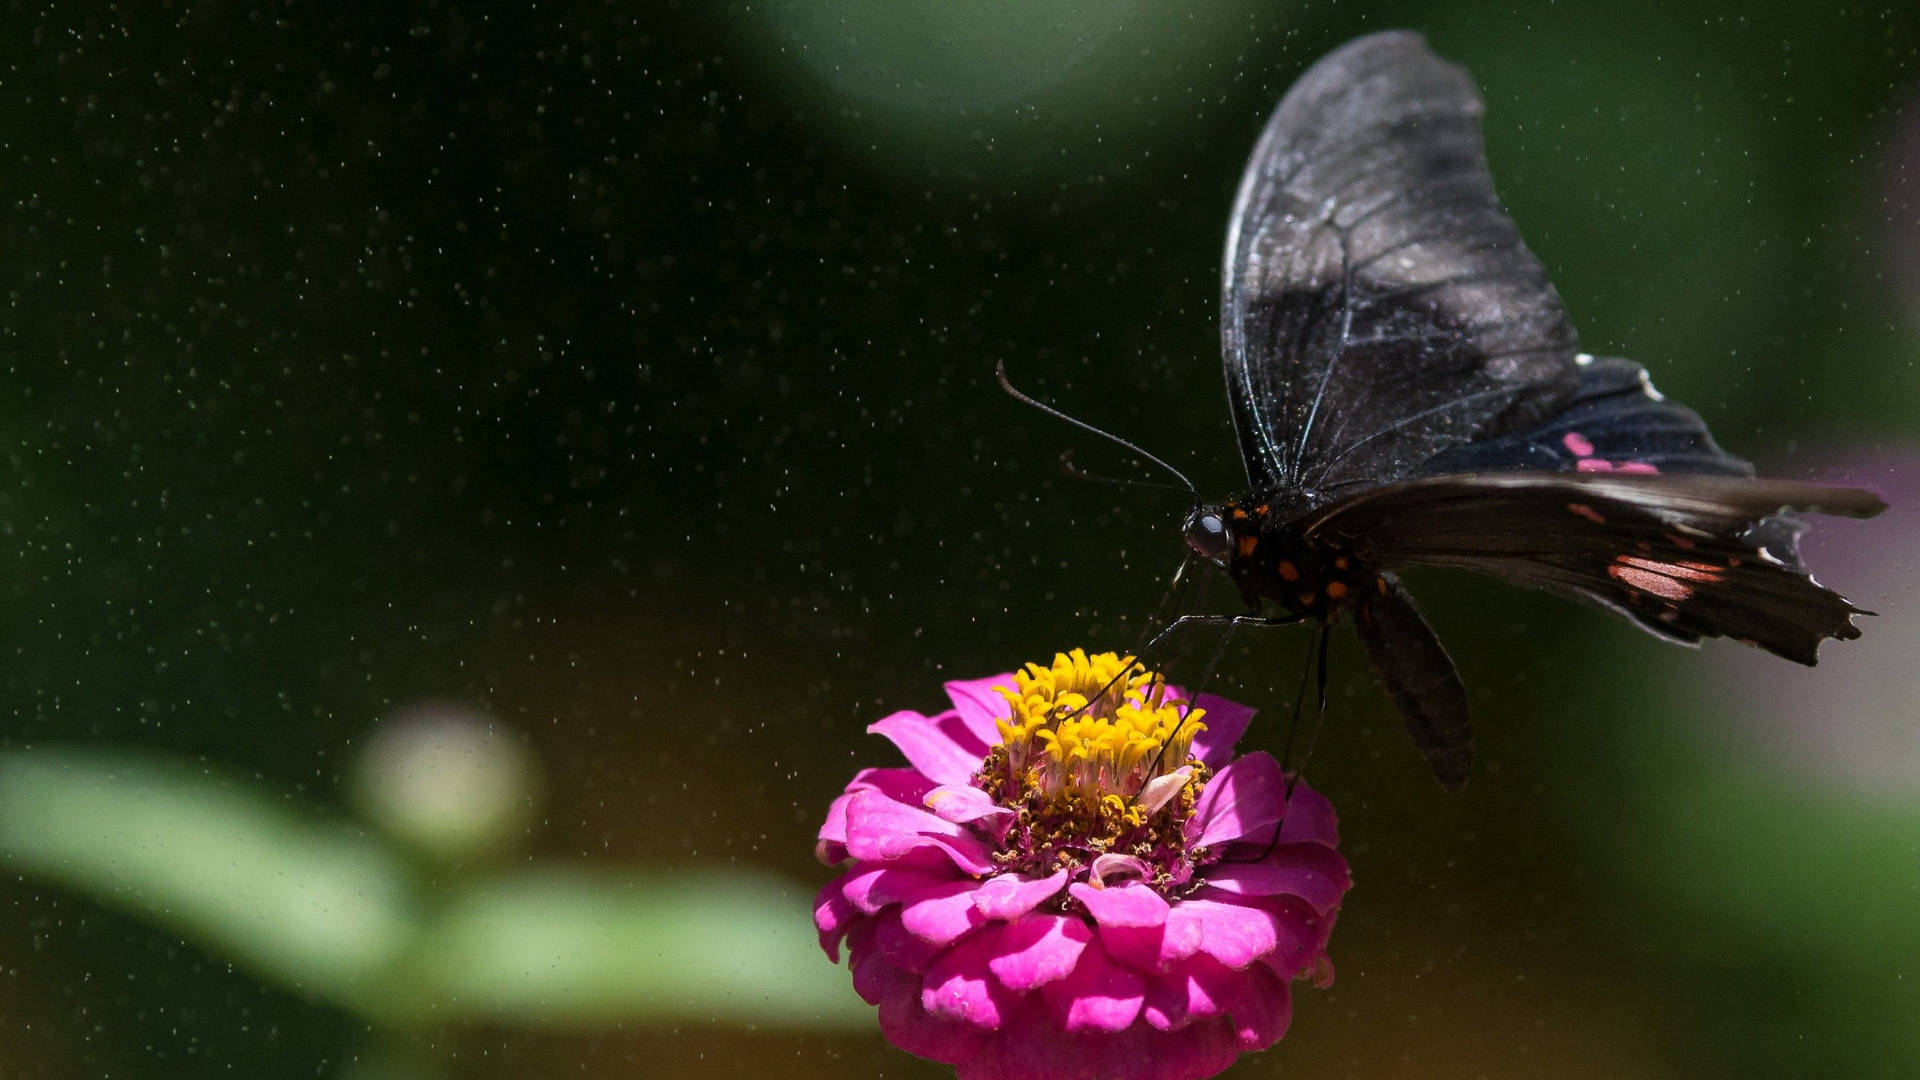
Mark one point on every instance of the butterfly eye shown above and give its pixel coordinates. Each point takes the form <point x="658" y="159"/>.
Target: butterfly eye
<point x="1207" y="536"/>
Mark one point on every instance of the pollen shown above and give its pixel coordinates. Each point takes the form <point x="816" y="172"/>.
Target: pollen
<point x="1085" y="739"/>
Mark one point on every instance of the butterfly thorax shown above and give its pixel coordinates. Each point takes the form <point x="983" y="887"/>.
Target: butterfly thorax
<point x="1271" y="559"/>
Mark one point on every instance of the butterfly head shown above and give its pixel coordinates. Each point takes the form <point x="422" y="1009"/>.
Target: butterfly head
<point x="1209" y="534"/>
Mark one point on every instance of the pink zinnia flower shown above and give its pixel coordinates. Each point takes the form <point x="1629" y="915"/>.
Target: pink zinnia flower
<point x="1069" y="883"/>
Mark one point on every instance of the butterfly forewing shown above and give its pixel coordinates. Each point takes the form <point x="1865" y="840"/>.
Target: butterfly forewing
<point x="1378" y="307"/>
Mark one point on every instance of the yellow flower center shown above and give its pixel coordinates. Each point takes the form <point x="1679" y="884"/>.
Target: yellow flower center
<point x="1092" y="731"/>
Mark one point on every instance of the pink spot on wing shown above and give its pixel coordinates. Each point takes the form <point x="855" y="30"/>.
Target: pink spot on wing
<point x="1594" y="464"/>
<point x="1577" y="444"/>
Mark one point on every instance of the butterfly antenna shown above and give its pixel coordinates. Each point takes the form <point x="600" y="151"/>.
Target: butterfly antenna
<point x="1000" y="373"/>
<point x="1068" y="466"/>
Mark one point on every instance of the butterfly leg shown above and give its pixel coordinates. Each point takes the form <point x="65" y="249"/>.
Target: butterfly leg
<point x="1231" y="622"/>
<point x="1420" y="678"/>
<point x="1317" y="659"/>
<point x="1234" y="621"/>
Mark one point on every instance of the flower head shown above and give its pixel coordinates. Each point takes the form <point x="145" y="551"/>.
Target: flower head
<point x="1074" y="879"/>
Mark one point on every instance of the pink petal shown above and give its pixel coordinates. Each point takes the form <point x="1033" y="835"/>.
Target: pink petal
<point x="881" y="829"/>
<point x="907" y="1025"/>
<point x="1261" y="1006"/>
<point x="964" y="804"/>
<point x="874" y="975"/>
<point x="1099" y="995"/>
<point x="1311" y="872"/>
<point x="1128" y="906"/>
<point x="1241" y="800"/>
<point x="903" y="785"/>
<point x="1310" y="819"/>
<point x="833" y="915"/>
<point x="1038" y="950"/>
<point x="1226" y="721"/>
<point x="978" y="706"/>
<point x="1010" y="896"/>
<point x="872" y="886"/>
<point x="1234" y="934"/>
<point x="959" y="987"/>
<point x="1179" y="939"/>
<point x="942" y="915"/>
<point x="1185" y="994"/>
<point x="1111" y="871"/>
<point x="1160" y="790"/>
<point x="1299" y="934"/>
<point x="1195" y="1052"/>
<point x="1029" y="1047"/>
<point x="891" y="940"/>
<point x="1131" y="920"/>
<point x="940" y="746"/>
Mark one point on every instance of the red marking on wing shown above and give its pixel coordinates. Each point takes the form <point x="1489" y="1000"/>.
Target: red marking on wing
<point x="1587" y="512"/>
<point x="1686" y="571"/>
<point x="1648" y="581"/>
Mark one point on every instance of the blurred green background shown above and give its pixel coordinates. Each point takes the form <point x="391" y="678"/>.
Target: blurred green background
<point x="597" y="400"/>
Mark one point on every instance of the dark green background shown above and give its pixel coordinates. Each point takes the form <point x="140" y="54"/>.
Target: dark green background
<point x="624" y="370"/>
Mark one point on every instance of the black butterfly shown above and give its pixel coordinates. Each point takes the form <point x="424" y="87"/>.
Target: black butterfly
<point x="1407" y="391"/>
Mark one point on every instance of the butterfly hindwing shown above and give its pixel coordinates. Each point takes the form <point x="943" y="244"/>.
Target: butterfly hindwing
<point x="1378" y="306"/>
<point x="1618" y="423"/>
<point x="1615" y="422"/>
<point x="1685" y="556"/>
<point x="1420" y="678"/>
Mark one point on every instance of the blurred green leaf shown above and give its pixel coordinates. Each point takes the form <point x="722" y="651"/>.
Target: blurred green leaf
<point x="311" y="905"/>
<point x="330" y="912"/>
<point x="575" y="949"/>
<point x="972" y="92"/>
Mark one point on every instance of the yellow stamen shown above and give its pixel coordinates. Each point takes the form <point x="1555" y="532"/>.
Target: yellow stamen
<point x="1091" y="730"/>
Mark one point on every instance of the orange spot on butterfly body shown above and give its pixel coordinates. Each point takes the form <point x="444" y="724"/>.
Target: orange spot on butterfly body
<point x="1337" y="590"/>
<point x="1288" y="571"/>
